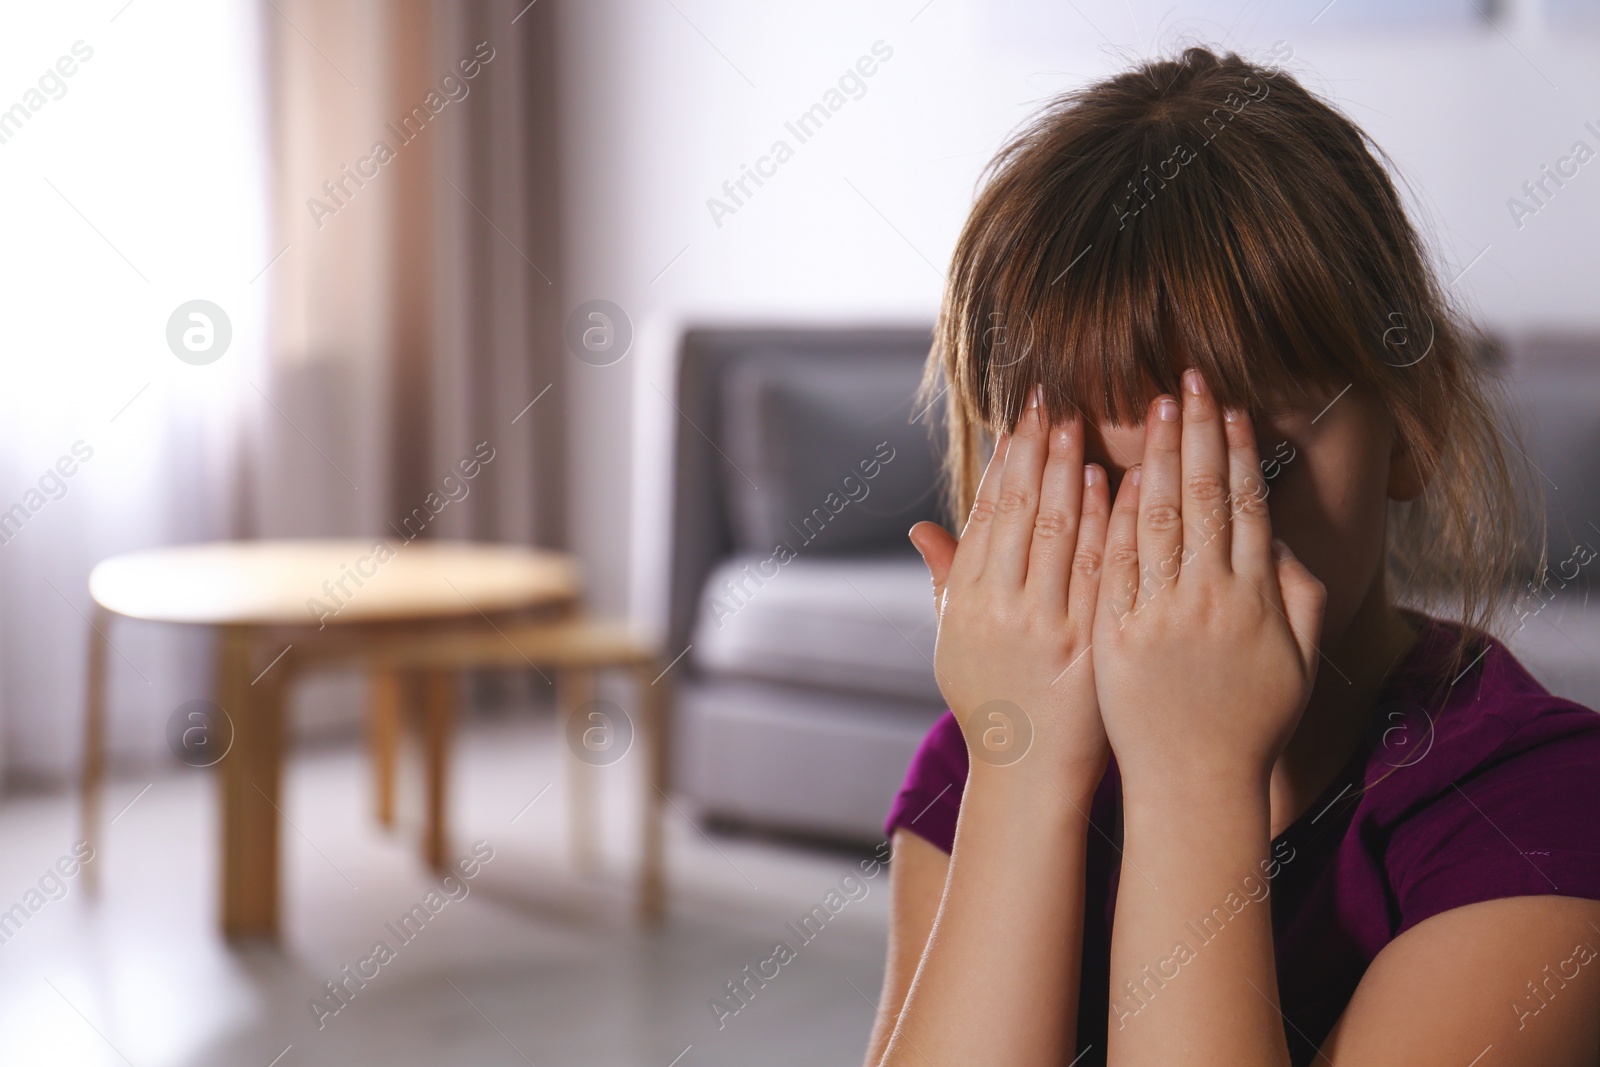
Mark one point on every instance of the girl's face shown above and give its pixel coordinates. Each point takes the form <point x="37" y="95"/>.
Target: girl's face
<point x="1330" y="467"/>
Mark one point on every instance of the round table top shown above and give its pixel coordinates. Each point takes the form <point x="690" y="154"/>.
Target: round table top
<point x="330" y="582"/>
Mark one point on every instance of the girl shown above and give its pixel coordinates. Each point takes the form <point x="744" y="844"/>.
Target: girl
<point x="1240" y="437"/>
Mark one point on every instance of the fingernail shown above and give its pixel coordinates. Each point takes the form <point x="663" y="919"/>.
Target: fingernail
<point x="1035" y="397"/>
<point x="1280" y="550"/>
<point x="1167" y="409"/>
<point x="1231" y="414"/>
<point x="1133" y="473"/>
<point x="1191" y="381"/>
<point x="1091" y="474"/>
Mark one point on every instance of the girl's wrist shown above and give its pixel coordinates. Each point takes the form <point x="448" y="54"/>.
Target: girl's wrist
<point x="1017" y="826"/>
<point x="1039" y="787"/>
<point x="1196" y="800"/>
<point x="1198" y="776"/>
<point x="1029" y="757"/>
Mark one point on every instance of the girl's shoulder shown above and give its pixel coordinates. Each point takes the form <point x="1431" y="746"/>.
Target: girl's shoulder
<point x="1445" y="716"/>
<point x="1480" y="782"/>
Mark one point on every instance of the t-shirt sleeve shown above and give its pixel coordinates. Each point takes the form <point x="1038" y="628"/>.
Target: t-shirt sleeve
<point x="930" y="796"/>
<point x="1527" y="824"/>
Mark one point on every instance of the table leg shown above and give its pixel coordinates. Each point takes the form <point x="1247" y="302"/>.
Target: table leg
<point x="251" y="775"/>
<point x="575" y="688"/>
<point x="654" y="735"/>
<point x="384" y="699"/>
<point x="94" y="742"/>
<point x="439" y="698"/>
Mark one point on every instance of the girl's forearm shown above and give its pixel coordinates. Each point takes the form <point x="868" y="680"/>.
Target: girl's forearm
<point x="998" y="981"/>
<point x="1192" y="968"/>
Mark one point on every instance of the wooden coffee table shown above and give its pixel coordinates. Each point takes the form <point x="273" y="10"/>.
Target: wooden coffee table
<point x="413" y="615"/>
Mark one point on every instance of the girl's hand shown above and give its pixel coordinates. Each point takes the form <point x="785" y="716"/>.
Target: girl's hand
<point x="1205" y="636"/>
<point x="1015" y="600"/>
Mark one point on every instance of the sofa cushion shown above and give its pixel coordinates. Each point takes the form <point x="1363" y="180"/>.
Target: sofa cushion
<point x="824" y="455"/>
<point x="774" y="755"/>
<point x="859" y="623"/>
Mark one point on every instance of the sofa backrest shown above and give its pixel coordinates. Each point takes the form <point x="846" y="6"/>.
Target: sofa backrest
<point x="1553" y="385"/>
<point x="801" y="438"/>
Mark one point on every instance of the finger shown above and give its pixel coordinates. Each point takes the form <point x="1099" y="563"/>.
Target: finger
<point x="1205" y="479"/>
<point x="1088" y="562"/>
<point x="975" y="534"/>
<point x="1011" y="533"/>
<point x="1119" y="577"/>
<point x="1303" y="600"/>
<point x="1160" y="530"/>
<point x="1055" y="526"/>
<point x="1251" y="551"/>
<point x="938" y="550"/>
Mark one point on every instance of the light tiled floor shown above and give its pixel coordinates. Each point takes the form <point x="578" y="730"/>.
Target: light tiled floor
<point x="532" y="966"/>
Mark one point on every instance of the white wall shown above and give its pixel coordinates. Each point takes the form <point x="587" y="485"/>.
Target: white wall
<point x="663" y="101"/>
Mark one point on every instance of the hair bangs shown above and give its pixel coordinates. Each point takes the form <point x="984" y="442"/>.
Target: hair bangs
<point x="1106" y="315"/>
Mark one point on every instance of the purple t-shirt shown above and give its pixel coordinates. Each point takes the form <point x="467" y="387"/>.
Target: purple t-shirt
<point x="1483" y="788"/>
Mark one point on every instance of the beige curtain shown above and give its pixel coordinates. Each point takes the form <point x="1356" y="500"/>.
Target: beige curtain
<point x="416" y="308"/>
<point x="415" y="301"/>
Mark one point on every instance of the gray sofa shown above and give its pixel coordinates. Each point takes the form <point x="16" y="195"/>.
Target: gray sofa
<point x="1554" y="386"/>
<point x="809" y="676"/>
<point x="807" y="613"/>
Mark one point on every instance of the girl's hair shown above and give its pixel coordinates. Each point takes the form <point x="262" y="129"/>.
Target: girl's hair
<point x="1207" y="211"/>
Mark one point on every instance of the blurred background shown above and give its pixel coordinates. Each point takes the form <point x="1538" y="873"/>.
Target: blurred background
<point x="637" y="293"/>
